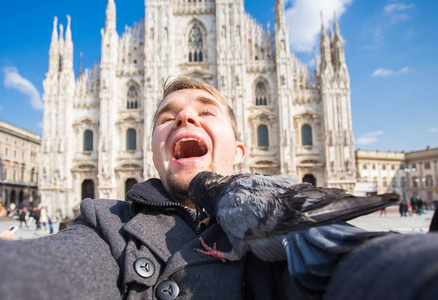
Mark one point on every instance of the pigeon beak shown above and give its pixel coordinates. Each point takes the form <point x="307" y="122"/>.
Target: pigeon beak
<point x="201" y="213"/>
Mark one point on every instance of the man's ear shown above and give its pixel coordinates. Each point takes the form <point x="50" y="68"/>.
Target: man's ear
<point x="240" y="153"/>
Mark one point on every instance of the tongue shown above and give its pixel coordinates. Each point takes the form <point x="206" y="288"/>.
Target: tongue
<point x="190" y="149"/>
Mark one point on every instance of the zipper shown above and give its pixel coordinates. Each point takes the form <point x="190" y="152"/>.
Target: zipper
<point x="192" y="217"/>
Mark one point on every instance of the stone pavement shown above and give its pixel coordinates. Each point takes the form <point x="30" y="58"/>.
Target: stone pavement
<point x="373" y="222"/>
<point x="25" y="232"/>
<point x="393" y="222"/>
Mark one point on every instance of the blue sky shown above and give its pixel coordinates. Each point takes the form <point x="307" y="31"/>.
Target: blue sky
<point x="390" y="47"/>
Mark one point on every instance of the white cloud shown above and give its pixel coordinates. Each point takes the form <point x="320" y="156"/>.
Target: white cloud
<point x="386" y="72"/>
<point x="14" y="80"/>
<point x="433" y="129"/>
<point x="368" y="138"/>
<point x="304" y="20"/>
<point x="1" y="107"/>
<point x="390" y="8"/>
<point x="397" y="12"/>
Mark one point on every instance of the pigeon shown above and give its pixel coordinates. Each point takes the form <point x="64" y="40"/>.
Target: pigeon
<point x="262" y="214"/>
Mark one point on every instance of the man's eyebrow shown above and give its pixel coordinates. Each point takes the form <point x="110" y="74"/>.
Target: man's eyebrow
<point x="168" y="107"/>
<point x="172" y="104"/>
<point x="207" y="100"/>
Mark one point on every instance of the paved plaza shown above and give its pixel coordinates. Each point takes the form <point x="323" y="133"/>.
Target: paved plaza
<point x="393" y="222"/>
<point x="26" y="232"/>
<point x="373" y="222"/>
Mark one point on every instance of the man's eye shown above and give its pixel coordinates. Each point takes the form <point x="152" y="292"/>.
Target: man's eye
<point x="207" y="113"/>
<point x="167" y="119"/>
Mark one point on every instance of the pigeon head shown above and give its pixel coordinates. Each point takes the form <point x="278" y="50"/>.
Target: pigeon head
<point x="205" y="190"/>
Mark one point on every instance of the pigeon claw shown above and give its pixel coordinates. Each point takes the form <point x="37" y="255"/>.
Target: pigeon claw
<point x="211" y="251"/>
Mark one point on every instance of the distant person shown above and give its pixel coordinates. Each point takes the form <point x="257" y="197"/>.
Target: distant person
<point x="43" y="218"/>
<point x="403" y="208"/>
<point x="36" y="215"/>
<point x="420" y="205"/>
<point x="11" y="209"/>
<point x="23" y="217"/>
<point x="414" y="205"/>
<point x="50" y="221"/>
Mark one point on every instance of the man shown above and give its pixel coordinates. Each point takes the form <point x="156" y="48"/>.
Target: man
<point x="146" y="250"/>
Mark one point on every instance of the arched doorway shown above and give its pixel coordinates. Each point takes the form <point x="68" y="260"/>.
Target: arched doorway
<point x="87" y="189"/>
<point x="129" y="183"/>
<point x="310" y="179"/>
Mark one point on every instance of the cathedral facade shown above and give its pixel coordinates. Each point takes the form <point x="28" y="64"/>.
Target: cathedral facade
<point x="97" y="127"/>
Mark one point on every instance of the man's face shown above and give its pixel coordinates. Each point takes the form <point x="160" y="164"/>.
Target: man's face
<point x="193" y="133"/>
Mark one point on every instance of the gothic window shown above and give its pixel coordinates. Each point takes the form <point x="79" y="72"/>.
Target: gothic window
<point x="131" y="139"/>
<point x="260" y="94"/>
<point x="87" y="189"/>
<point x="195" y="44"/>
<point x="88" y="140"/>
<point x="262" y="136"/>
<point x="394" y="182"/>
<point x="306" y="135"/>
<point x="132" y="102"/>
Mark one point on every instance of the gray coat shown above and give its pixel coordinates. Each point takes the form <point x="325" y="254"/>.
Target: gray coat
<point x="145" y="250"/>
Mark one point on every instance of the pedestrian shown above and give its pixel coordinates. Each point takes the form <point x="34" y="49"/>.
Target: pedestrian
<point x="11" y="209"/>
<point x="403" y="208"/>
<point x="36" y="216"/>
<point x="43" y="217"/>
<point x="414" y="205"/>
<point x="420" y="205"/>
<point x="23" y="216"/>
<point x="50" y="224"/>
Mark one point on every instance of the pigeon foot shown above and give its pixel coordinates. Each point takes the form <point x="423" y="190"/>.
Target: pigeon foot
<point x="211" y="251"/>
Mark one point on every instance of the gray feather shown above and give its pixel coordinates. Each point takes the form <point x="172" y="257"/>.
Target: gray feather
<point x="256" y="210"/>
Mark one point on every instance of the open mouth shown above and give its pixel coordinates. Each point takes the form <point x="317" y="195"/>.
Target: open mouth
<point x="189" y="147"/>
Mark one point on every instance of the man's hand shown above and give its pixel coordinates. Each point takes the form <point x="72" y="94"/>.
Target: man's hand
<point x="7" y="234"/>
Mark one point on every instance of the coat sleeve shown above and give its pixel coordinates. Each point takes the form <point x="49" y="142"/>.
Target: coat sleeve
<point x="75" y="263"/>
<point x="402" y="267"/>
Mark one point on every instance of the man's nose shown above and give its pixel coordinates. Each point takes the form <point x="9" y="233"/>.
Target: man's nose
<point x="185" y="118"/>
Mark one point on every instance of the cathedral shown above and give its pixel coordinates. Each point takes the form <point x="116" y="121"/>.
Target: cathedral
<point x="97" y="126"/>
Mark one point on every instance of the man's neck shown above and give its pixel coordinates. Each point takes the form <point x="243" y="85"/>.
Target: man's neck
<point x="186" y="201"/>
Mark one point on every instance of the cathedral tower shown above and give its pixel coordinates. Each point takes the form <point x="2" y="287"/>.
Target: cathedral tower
<point x="335" y="95"/>
<point x="59" y="86"/>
